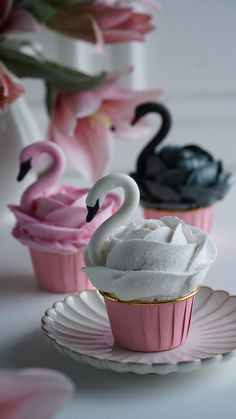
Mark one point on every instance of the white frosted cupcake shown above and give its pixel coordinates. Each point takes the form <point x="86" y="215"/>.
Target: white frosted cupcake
<point x="154" y="260"/>
<point x="148" y="273"/>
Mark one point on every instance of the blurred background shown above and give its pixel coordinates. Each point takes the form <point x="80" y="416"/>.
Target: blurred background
<point x="191" y="56"/>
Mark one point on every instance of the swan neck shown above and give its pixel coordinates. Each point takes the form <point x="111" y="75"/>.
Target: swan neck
<point x="158" y="138"/>
<point x="121" y="217"/>
<point x="46" y="180"/>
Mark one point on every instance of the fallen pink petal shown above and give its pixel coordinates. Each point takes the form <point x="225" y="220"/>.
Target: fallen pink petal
<point x="33" y="393"/>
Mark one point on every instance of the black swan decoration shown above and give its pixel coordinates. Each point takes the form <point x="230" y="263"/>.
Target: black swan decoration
<point x="176" y="177"/>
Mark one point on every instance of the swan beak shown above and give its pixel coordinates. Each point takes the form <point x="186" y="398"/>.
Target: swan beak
<point x="92" y="211"/>
<point x="25" y="167"/>
<point x="135" y="119"/>
<point x="139" y="112"/>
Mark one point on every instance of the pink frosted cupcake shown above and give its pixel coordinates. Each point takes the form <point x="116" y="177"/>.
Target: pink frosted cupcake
<point x="148" y="271"/>
<point x="51" y="222"/>
<point x="184" y="182"/>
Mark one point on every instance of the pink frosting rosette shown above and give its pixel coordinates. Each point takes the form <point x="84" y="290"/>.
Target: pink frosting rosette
<point x="57" y="220"/>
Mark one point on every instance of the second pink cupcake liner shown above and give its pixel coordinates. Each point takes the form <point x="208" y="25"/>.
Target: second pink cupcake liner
<point x="200" y="217"/>
<point x="60" y="273"/>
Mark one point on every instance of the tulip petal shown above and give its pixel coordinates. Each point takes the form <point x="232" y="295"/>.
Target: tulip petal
<point x="70" y="107"/>
<point x="89" y="149"/>
<point x="101" y="21"/>
<point x="121" y="35"/>
<point x="20" y="21"/>
<point x="99" y="38"/>
<point x="81" y="124"/>
<point x="109" y="18"/>
<point x="121" y="108"/>
<point x="5" y="9"/>
<point x="10" y="90"/>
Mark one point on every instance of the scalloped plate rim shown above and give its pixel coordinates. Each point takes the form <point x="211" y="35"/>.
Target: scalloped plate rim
<point x="105" y="363"/>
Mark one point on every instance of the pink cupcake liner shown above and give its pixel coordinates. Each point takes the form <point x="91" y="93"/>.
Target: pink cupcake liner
<point x="150" y="327"/>
<point x="200" y="217"/>
<point x="60" y="273"/>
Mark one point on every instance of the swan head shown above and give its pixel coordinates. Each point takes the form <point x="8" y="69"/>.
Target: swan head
<point x="97" y="194"/>
<point x="151" y="107"/>
<point x="25" y="167"/>
<point x="27" y="159"/>
<point x="140" y="111"/>
<point x="104" y="185"/>
<point x="30" y="154"/>
<point x="99" y="190"/>
<point x="92" y="211"/>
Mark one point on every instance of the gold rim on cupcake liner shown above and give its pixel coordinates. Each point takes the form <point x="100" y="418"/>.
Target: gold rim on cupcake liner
<point x="154" y="302"/>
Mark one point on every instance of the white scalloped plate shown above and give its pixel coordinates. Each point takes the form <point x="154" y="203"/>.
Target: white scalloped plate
<point x="79" y="327"/>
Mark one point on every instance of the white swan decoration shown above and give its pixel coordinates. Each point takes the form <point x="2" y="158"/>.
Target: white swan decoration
<point x="93" y="255"/>
<point x="148" y="259"/>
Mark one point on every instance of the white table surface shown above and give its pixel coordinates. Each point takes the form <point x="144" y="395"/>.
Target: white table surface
<point x="204" y="393"/>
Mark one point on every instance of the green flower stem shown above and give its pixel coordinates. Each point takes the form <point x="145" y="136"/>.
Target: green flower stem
<point x="61" y="78"/>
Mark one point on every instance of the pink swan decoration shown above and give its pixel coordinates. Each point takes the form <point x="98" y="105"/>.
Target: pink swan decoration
<point x="51" y="221"/>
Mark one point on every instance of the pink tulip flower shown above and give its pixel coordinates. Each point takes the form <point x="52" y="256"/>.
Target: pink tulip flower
<point x="83" y="124"/>
<point x="33" y="393"/>
<point x="100" y="22"/>
<point x="16" y="20"/>
<point x="9" y="89"/>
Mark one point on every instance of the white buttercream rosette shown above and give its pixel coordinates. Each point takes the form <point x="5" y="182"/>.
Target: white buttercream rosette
<point x="154" y="259"/>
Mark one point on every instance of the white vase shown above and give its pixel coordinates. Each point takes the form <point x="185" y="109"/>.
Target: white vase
<point x="17" y="129"/>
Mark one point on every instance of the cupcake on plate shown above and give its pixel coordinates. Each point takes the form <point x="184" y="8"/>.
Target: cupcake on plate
<point x="183" y="181"/>
<point x="148" y="271"/>
<point x="51" y="221"/>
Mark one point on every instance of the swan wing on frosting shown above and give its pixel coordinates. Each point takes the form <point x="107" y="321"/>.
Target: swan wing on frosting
<point x="68" y="195"/>
<point x="80" y="201"/>
<point x="47" y="238"/>
<point x="45" y="206"/>
<point x="67" y="216"/>
<point x="206" y="251"/>
<point x="21" y="216"/>
<point x="132" y="285"/>
<point x="63" y="247"/>
<point x="149" y="255"/>
<point x="51" y="233"/>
